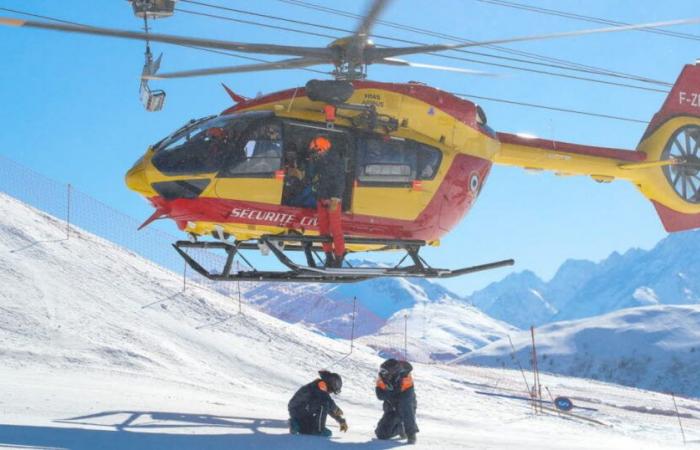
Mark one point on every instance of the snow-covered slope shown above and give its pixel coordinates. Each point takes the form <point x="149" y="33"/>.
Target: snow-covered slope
<point x="442" y="325"/>
<point x="437" y="331"/>
<point x="654" y="347"/>
<point x="102" y="350"/>
<point x="668" y="274"/>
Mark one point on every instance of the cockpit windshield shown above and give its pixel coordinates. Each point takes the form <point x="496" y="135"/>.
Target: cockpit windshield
<point x="201" y="146"/>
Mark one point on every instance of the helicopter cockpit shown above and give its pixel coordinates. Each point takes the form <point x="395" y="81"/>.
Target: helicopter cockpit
<point x="207" y="145"/>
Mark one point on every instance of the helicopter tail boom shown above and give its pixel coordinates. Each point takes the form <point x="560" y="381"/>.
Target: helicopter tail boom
<point x="665" y="167"/>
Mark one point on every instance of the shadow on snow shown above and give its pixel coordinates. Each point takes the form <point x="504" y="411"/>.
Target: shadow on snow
<point x="147" y="430"/>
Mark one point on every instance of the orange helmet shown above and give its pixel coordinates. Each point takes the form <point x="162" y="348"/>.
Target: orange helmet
<point x="216" y="132"/>
<point x="320" y="144"/>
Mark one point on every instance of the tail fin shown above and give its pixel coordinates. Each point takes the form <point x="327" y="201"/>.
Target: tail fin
<point x="674" y="134"/>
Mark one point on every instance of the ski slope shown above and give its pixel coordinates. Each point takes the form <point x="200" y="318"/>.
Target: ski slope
<point x="103" y="350"/>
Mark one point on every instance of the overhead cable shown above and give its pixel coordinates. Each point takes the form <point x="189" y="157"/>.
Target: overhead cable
<point x="552" y="108"/>
<point x="590" y="19"/>
<point x="571" y="65"/>
<point x="452" y="57"/>
<point x="209" y="50"/>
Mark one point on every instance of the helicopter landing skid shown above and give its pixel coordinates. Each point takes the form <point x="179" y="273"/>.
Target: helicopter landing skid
<point x="314" y="271"/>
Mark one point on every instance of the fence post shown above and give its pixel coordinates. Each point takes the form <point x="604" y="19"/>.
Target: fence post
<point x="68" y="211"/>
<point x="184" y="277"/>
<point x="405" y="337"/>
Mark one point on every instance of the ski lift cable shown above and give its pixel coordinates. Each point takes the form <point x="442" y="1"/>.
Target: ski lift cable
<point x="458" y="39"/>
<point x="559" y="64"/>
<point x="345" y="30"/>
<point x="554" y="108"/>
<point x="209" y="50"/>
<point x="232" y="54"/>
<point x="322" y="72"/>
<point x="584" y="18"/>
<point x="572" y="65"/>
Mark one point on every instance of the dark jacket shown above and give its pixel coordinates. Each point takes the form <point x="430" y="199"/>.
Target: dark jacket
<point x="399" y="397"/>
<point x="312" y="398"/>
<point x="329" y="175"/>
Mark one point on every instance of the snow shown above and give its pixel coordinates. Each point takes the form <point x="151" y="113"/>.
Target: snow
<point x="438" y="331"/>
<point x="646" y="296"/>
<point x="104" y="350"/>
<point x="653" y="347"/>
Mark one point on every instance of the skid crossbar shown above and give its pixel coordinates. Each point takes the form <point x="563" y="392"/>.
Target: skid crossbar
<point x="278" y="245"/>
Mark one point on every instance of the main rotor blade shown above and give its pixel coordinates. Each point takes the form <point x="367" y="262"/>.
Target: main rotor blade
<point x="375" y="54"/>
<point x="370" y="18"/>
<point x="401" y="62"/>
<point x="268" y="49"/>
<point x="278" y="65"/>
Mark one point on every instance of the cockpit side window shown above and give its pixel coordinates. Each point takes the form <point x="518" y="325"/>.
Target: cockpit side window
<point x="199" y="149"/>
<point x="259" y="153"/>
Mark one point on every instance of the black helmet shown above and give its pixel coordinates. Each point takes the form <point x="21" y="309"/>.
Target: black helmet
<point x="392" y="369"/>
<point x="332" y="380"/>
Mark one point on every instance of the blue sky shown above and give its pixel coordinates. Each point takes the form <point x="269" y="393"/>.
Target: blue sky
<point x="70" y="109"/>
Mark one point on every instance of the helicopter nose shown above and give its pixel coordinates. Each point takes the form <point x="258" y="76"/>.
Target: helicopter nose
<point x="137" y="181"/>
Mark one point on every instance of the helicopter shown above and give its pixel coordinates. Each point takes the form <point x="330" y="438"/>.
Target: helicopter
<point x="415" y="159"/>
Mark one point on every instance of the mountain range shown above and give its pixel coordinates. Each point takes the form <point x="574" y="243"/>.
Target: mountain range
<point x="668" y="274"/>
<point x="652" y="347"/>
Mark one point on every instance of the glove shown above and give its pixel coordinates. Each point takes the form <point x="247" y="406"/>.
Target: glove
<point x="344" y="426"/>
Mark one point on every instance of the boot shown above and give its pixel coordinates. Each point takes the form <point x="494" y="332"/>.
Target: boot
<point x="294" y="427"/>
<point x="411" y="439"/>
<point x="330" y="260"/>
<point x="338" y="260"/>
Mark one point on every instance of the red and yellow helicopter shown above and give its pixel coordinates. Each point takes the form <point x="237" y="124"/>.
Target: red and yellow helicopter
<point x="416" y="159"/>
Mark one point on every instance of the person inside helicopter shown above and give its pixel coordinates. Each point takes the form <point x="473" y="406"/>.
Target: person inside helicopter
<point x="262" y="151"/>
<point x="217" y="141"/>
<point x="298" y="190"/>
<point x="329" y="184"/>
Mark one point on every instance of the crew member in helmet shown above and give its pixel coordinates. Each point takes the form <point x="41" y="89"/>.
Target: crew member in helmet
<point x="329" y="183"/>
<point x="395" y="388"/>
<point x="312" y="404"/>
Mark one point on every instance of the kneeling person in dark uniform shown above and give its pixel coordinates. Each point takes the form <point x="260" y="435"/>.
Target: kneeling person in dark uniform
<point x="312" y="404"/>
<point x="395" y="388"/>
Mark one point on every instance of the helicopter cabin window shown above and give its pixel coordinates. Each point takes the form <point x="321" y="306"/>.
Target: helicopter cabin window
<point x="386" y="161"/>
<point x="198" y="148"/>
<point x="259" y="154"/>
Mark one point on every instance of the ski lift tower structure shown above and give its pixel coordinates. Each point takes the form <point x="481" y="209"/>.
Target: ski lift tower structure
<point x="153" y="100"/>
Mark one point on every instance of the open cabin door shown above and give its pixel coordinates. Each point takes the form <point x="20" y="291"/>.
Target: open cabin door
<point x="299" y="168"/>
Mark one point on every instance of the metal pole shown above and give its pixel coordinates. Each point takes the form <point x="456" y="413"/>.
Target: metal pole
<point x="184" y="278"/>
<point x="238" y="283"/>
<point x="537" y="388"/>
<point x="352" y="330"/>
<point x="68" y="211"/>
<point x="405" y="337"/>
<point x="679" y="417"/>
